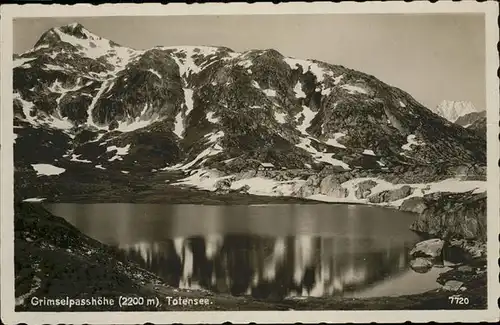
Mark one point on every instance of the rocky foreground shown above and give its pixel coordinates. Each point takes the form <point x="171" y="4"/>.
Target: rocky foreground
<point x="54" y="259"/>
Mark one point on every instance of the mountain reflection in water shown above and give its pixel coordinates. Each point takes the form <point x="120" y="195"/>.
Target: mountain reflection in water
<point x="272" y="251"/>
<point x="263" y="267"/>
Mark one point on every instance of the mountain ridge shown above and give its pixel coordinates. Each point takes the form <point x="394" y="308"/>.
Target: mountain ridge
<point x="188" y="107"/>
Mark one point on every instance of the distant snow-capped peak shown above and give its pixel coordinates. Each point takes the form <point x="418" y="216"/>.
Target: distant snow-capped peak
<point x="452" y="110"/>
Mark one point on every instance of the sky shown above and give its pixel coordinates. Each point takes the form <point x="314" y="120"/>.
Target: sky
<point x="434" y="57"/>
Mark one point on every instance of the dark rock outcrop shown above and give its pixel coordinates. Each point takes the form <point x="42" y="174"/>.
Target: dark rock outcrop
<point x="310" y="187"/>
<point x="453" y="215"/>
<point x="414" y="204"/>
<point x="331" y="187"/>
<point x="465" y="251"/>
<point x="364" y="189"/>
<point x="391" y="195"/>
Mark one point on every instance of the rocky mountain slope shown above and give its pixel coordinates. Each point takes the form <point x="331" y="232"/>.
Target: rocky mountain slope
<point x="475" y="121"/>
<point x="82" y="100"/>
<point x="469" y="119"/>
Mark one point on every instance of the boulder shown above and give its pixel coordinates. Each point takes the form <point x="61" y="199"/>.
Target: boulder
<point x="465" y="269"/>
<point x="452" y="285"/>
<point x="391" y="195"/>
<point x="244" y="189"/>
<point x="414" y="204"/>
<point x="310" y="187"/>
<point x="464" y="251"/>
<point x="421" y="265"/>
<point x="113" y="125"/>
<point x="223" y="185"/>
<point x="428" y="248"/>
<point x="453" y="215"/>
<point x="331" y="187"/>
<point x="364" y="189"/>
<point x="247" y="174"/>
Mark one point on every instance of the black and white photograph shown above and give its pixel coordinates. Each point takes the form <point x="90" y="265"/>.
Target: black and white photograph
<point x="249" y="160"/>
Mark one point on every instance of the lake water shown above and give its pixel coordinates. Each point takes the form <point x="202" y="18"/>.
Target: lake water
<point x="268" y="251"/>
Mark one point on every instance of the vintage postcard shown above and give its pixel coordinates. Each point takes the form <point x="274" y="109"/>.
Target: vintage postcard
<point x="306" y="162"/>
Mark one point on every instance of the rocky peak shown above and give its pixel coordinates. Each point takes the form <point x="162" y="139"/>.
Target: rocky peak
<point x="452" y="110"/>
<point x="77" y="30"/>
<point x="75" y="38"/>
<point x="48" y="39"/>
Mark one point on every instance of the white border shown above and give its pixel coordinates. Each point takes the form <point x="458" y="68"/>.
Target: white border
<point x="8" y="12"/>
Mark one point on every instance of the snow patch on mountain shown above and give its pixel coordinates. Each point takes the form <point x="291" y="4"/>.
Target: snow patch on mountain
<point x="179" y="125"/>
<point x="213" y="137"/>
<point x="27" y="108"/>
<point x="338" y="79"/>
<point x="326" y="91"/>
<point x="183" y="56"/>
<point x="188" y="100"/>
<point x="153" y="71"/>
<point x="120" y="151"/>
<point x="452" y="110"/>
<point x="352" y="89"/>
<point x="210" y="117"/>
<point x="280" y="117"/>
<point x="269" y="92"/>
<point x="213" y="149"/>
<point x="76" y="158"/>
<point x="266" y="186"/>
<point x="334" y="142"/>
<point x="138" y="123"/>
<point x="34" y="199"/>
<point x="206" y="179"/>
<point x="21" y="61"/>
<point x="411" y="142"/>
<point x="53" y="67"/>
<point x="53" y="122"/>
<point x="47" y="169"/>
<point x="305" y="143"/>
<point x="245" y="63"/>
<point x="110" y="87"/>
<point x="307" y="115"/>
<point x="306" y="65"/>
<point x="124" y="126"/>
<point x="299" y="93"/>
<point x="90" y="119"/>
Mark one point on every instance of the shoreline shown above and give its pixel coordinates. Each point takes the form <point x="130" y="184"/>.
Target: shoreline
<point x="228" y="302"/>
<point x="182" y="189"/>
<point x="157" y="191"/>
